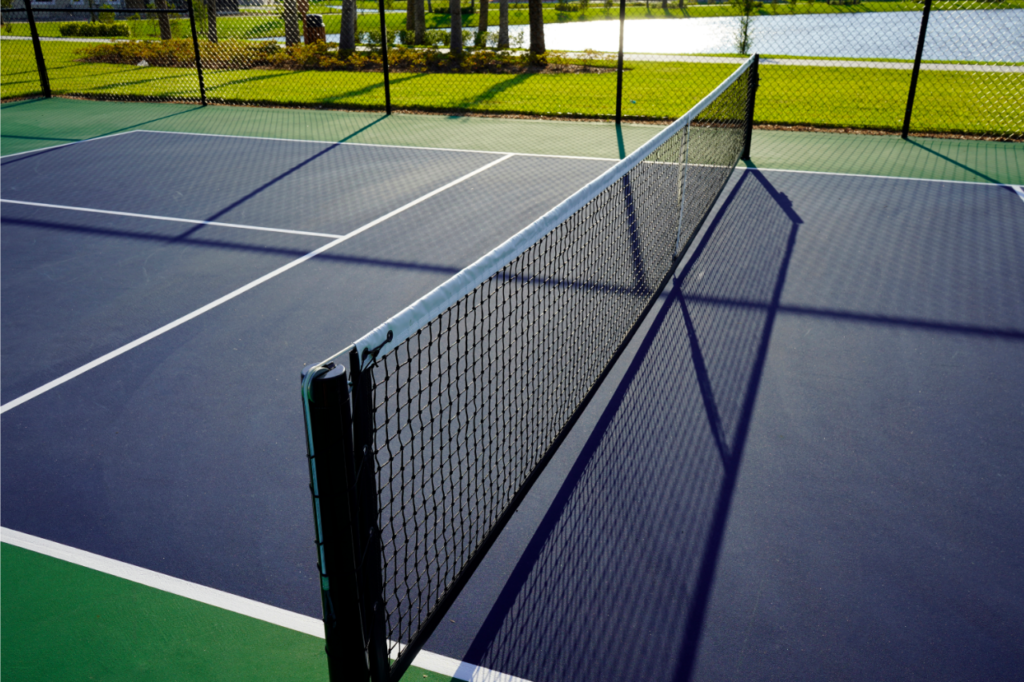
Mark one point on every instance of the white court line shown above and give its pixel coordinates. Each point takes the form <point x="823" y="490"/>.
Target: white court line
<point x="1019" y="190"/>
<point x="385" y="146"/>
<point x="189" y="221"/>
<point x="68" y="144"/>
<point x="436" y="663"/>
<point x="879" y="177"/>
<point x="237" y="292"/>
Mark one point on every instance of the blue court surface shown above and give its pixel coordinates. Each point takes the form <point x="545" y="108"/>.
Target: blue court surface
<point x="807" y="465"/>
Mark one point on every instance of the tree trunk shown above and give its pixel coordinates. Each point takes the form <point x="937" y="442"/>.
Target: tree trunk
<point x="211" y="20"/>
<point x="455" y="8"/>
<point x="430" y="8"/>
<point x="290" y="15"/>
<point x="482" y="26"/>
<point x="420" y="22"/>
<point x="503" y="25"/>
<point x="347" y="39"/>
<point x="664" y="5"/>
<point x="410" y="15"/>
<point x="536" y="27"/>
<point x="164" y="21"/>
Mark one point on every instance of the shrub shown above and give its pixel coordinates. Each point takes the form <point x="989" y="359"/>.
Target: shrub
<point x="106" y="16"/>
<point x="437" y="38"/>
<point x="94" y="28"/>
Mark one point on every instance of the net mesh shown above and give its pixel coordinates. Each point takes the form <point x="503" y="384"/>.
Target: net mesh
<point x="467" y="407"/>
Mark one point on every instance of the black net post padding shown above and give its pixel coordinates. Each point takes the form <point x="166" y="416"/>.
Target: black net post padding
<point x="366" y="531"/>
<point x="37" y="46"/>
<point x="195" y="49"/>
<point x="384" y="56"/>
<point x="917" y="67"/>
<point x="329" y="439"/>
<point x="753" y="80"/>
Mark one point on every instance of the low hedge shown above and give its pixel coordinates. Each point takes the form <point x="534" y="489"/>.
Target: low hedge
<point x="92" y="29"/>
<point x="242" y="54"/>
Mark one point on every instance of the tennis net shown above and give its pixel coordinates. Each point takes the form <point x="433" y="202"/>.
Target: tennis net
<point x="421" y="451"/>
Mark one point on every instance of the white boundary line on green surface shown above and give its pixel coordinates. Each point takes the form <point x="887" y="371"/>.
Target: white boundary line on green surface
<point x="655" y="130"/>
<point x="237" y="292"/>
<point x="984" y="183"/>
<point x="67" y="144"/>
<point x="189" y="221"/>
<point x="274" y="615"/>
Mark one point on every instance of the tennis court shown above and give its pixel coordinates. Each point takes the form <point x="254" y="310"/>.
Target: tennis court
<point x="806" y="459"/>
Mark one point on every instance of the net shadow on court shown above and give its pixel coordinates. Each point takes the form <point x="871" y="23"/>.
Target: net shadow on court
<point x="629" y="543"/>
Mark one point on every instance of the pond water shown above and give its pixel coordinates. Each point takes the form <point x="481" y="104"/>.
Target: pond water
<point x="966" y="35"/>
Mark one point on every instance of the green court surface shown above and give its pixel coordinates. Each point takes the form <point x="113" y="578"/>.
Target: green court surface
<point x="67" y="622"/>
<point x="62" y="621"/>
<point x="34" y="124"/>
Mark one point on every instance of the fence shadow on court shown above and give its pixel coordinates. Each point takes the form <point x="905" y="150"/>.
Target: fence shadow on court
<point x="614" y="583"/>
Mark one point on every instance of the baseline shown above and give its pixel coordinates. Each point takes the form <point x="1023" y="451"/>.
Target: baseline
<point x="1015" y="188"/>
<point x="379" y="146"/>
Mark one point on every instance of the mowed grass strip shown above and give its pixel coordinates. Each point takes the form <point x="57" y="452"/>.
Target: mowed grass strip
<point x="947" y="102"/>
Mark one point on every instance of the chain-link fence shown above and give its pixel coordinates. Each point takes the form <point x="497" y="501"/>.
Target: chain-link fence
<point x="837" y="64"/>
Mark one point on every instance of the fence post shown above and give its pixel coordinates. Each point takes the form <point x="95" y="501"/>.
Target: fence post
<point x="917" y="67"/>
<point x="44" y="79"/>
<point x="195" y="48"/>
<point x="622" y="31"/>
<point x="753" y="79"/>
<point x="384" y="54"/>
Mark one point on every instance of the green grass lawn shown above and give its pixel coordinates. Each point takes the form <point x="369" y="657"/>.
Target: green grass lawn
<point x="795" y="95"/>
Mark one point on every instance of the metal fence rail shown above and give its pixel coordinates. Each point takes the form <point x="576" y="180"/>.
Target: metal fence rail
<point x="931" y="67"/>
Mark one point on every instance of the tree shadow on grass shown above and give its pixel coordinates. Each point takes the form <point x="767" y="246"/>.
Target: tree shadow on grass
<point x="367" y="89"/>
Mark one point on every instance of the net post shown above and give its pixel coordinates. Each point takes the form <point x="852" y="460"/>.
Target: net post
<point x="618" y="90"/>
<point x="195" y="49"/>
<point x="366" y="533"/>
<point x="37" y="47"/>
<point x="753" y="80"/>
<point x="329" y="454"/>
<point x="917" y="68"/>
<point x="384" y="55"/>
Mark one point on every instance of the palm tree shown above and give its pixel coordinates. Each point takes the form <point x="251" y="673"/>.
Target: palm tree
<point x="347" y="39"/>
<point x="419" y="22"/>
<point x="481" y="28"/>
<point x="455" y="8"/>
<point x="503" y="25"/>
<point x="165" y="21"/>
<point x="211" y="20"/>
<point x="536" y="27"/>
<point x="291" y="22"/>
